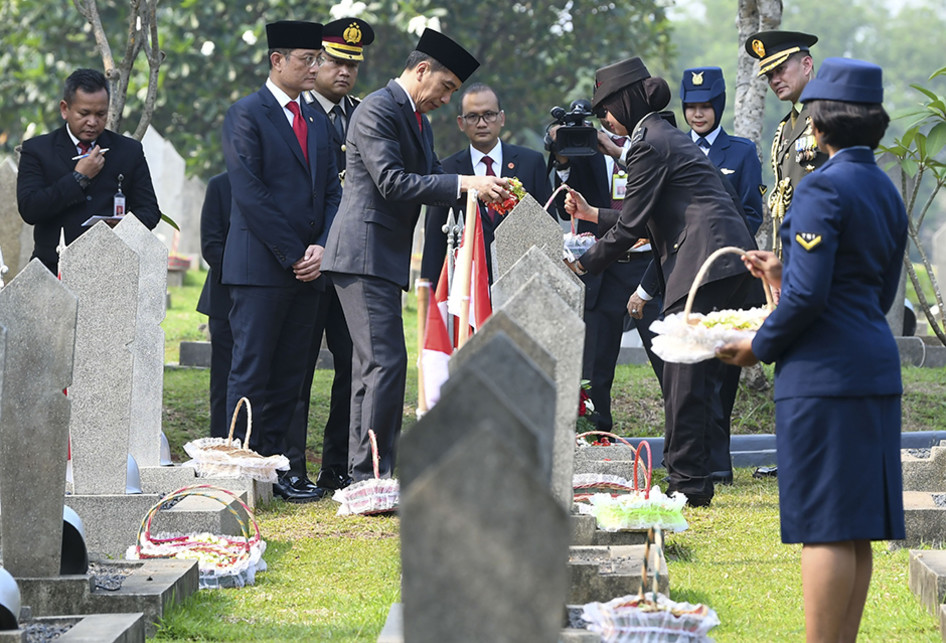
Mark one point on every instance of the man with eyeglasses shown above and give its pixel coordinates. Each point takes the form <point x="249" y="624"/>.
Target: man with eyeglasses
<point x="482" y="118"/>
<point x="343" y="43"/>
<point x="285" y="192"/>
<point x="391" y="171"/>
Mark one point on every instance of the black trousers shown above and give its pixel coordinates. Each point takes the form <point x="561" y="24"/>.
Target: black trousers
<point x="221" y="352"/>
<point x="693" y="399"/>
<point x="272" y="327"/>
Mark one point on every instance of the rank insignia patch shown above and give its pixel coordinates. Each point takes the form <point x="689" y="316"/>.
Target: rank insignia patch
<point x="697" y="79"/>
<point x="808" y="240"/>
<point x="726" y="170"/>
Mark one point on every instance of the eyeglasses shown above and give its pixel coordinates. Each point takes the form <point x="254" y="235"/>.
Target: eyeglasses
<point x="473" y="119"/>
<point x="309" y="60"/>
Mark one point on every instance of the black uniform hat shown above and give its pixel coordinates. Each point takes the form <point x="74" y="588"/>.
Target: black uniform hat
<point x="294" y="34"/>
<point x="448" y="53"/>
<point x="772" y="48"/>
<point x="613" y="78"/>
<point x="345" y="38"/>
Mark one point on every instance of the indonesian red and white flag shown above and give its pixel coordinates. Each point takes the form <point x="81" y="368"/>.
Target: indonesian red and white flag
<point x="438" y="345"/>
<point x="480" y="306"/>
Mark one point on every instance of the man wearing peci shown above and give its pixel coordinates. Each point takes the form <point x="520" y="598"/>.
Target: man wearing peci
<point x="482" y="118"/>
<point x="74" y="172"/>
<point x="391" y="170"/>
<point x="285" y="194"/>
<point x="785" y="60"/>
<point x="343" y="43"/>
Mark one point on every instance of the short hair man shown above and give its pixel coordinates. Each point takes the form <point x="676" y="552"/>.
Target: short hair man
<point x="482" y="118"/>
<point x="343" y="43"/>
<point x="65" y="176"/>
<point x="785" y="60"/>
<point x="391" y="170"/>
<point x="285" y="190"/>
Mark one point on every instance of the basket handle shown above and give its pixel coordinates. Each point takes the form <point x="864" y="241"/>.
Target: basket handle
<point x="375" y="460"/>
<point x="769" y="303"/>
<point x="648" y="472"/>
<point x="654" y="536"/>
<point x="249" y="422"/>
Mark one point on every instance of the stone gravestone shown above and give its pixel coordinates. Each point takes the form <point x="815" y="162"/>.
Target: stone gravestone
<point x="147" y="384"/>
<point x="38" y="315"/>
<point x="939" y="253"/>
<point x="460" y="407"/>
<point x="13" y="242"/>
<point x="553" y="323"/>
<point x="484" y="547"/>
<point x="501" y="323"/>
<point x="527" y="225"/>
<point x="102" y="271"/>
<point x="535" y="262"/>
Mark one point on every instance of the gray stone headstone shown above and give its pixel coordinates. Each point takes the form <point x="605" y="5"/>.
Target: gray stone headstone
<point x="536" y="263"/>
<point x="555" y="326"/>
<point x="38" y="315"/>
<point x="939" y="253"/>
<point x="102" y="271"/>
<point x="484" y="549"/>
<point x="11" y="224"/>
<point x="527" y="225"/>
<point x="147" y="385"/>
<point x="501" y="323"/>
<point x="510" y="372"/>
<point x="470" y="400"/>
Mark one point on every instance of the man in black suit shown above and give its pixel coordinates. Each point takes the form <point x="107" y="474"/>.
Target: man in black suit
<point x="285" y="190"/>
<point x="601" y="179"/>
<point x="391" y="170"/>
<point x="343" y="43"/>
<point x="56" y="190"/>
<point x="482" y="118"/>
<point x="215" y="297"/>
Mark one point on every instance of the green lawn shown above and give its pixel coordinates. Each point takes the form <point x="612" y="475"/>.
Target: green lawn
<point x="333" y="578"/>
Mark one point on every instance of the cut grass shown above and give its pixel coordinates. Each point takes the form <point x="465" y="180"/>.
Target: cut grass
<point x="333" y="578"/>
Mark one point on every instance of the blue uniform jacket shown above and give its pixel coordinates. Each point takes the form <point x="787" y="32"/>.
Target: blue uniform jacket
<point x="843" y="240"/>
<point x="738" y="160"/>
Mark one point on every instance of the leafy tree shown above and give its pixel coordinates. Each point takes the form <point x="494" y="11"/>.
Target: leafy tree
<point x="919" y="155"/>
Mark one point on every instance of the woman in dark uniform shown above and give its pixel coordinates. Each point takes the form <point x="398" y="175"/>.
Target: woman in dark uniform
<point x="837" y="373"/>
<point x="677" y="198"/>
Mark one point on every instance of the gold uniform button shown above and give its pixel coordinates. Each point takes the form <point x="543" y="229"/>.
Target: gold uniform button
<point x="344" y="147"/>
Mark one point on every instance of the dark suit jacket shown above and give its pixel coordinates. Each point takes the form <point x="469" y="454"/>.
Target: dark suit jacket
<point x="214" y="223"/>
<point x="738" y="160"/>
<point x="391" y="170"/>
<point x="272" y="220"/>
<point x="51" y="199"/>
<point x="842" y="244"/>
<point x="676" y="196"/>
<point x="338" y="144"/>
<point x="525" y="164"/>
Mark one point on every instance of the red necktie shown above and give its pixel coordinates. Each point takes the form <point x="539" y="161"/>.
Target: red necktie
<point x="299" y="127"/>
<point x="84" y="147"/>
<point x="488" y="162"/>
<point x="420" y="121"/>
<point x="616" y="169"/>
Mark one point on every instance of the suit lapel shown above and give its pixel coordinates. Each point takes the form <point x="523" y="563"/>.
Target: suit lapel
<point x="310" y="115"/>
<point x="407" y="114"/>
<point x="510" y="161"/>
<point x="717" y="152"/>
<point x="64" y="147"/>
<point x="277" y="115"/>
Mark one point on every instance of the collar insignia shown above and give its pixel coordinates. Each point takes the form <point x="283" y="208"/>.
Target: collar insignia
<point x="726" y="170"/>
<point x="697" y="79"/>
<point x="808" y="240"/>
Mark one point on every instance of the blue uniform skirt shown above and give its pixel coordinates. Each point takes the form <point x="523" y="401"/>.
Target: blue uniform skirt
<point x="839" y="474"/>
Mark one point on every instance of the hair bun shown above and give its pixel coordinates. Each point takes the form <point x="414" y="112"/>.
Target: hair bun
<point x="657" y="92"/>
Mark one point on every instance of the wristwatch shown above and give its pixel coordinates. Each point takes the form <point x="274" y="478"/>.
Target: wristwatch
<point x="81" y="179"/>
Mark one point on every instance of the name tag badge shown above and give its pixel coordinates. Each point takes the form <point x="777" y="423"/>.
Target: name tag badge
<point x="618" y="185"/>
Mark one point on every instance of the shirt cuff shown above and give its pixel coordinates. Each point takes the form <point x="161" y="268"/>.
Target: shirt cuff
<point x="643" y="294"/>
<point x="458" y="187"/>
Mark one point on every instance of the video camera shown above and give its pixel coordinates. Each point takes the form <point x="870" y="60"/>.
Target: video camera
<point x="576" y="137"/>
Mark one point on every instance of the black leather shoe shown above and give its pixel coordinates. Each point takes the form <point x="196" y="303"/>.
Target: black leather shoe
<point x="332" y="479"/>
<point x="292" y="487"/>
<point x="699" y="501"/>
<point x="721" y="477"/>
<point x="765" y="472"/>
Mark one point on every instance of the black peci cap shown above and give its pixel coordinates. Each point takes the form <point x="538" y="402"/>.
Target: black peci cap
<point x="294" y="34"/>
<point x="613" y="78"/>
<point x="448" y="53"/>
<point x="772" y="48"/>
<point x="346" y="38"/>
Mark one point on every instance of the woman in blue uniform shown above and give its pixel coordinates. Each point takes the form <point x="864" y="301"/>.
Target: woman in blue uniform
<point x="837" y="373"/>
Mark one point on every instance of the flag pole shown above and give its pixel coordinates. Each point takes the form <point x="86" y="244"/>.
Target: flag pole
<point x="452" y="230"/>
<point x="465" y="267"/>
<point x="422" y="286"/>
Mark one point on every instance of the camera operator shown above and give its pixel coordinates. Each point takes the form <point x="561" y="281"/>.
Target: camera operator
<point x="601" y="178"/>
